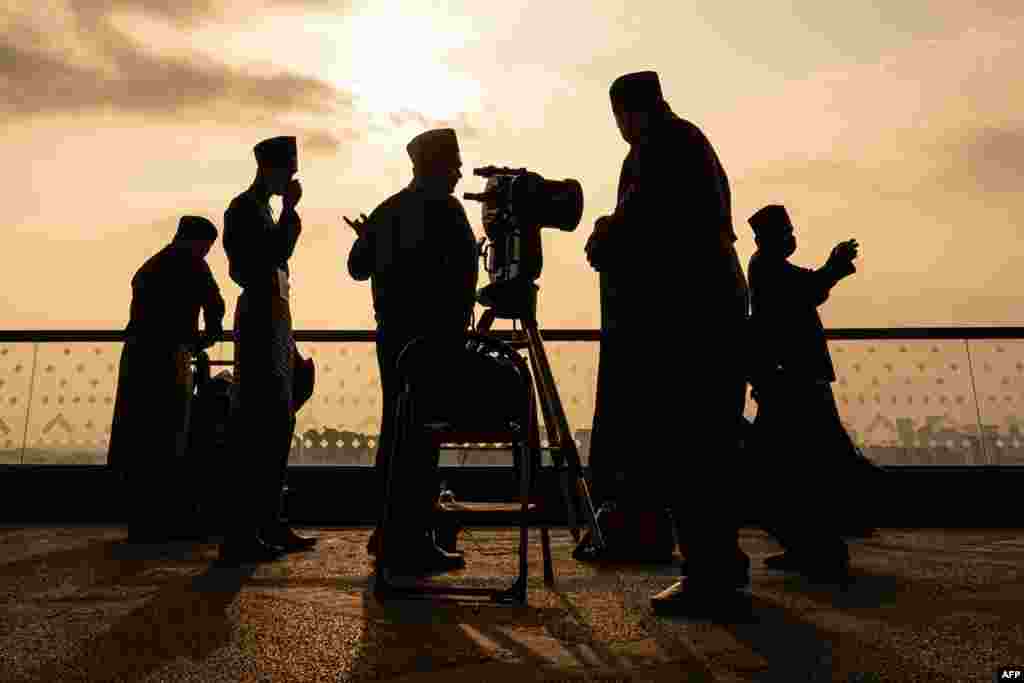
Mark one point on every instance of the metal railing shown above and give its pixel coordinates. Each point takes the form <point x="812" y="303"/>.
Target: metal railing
<point x="911" y="396"/>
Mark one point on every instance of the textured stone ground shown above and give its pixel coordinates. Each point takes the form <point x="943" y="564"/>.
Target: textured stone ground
<point x="77" y="604"/>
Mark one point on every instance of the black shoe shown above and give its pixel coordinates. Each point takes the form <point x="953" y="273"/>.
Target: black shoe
<point x="248" y="551"/>
<point x="739" y="574"/>
<point x="686" y="598"/>
<point x="784" y="562"/>
<point x="428" y="559"/>
<point x="830" y="570"/>
<point x="860" y="532"/>
<point x="287" y="539"/>
<point x="373" y="545"/>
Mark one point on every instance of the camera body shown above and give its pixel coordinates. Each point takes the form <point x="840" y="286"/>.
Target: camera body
<point x="517" y="204"/>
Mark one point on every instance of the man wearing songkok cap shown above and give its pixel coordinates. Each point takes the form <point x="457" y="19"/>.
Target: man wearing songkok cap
<point x="418" y="250"/>
<point x="263" y="413"/>
<point x="792" y="377"/>
<point x="154" y="387"/>
<point x="666" y="260"/>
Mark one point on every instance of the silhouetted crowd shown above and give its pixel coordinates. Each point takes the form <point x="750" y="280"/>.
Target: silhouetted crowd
<point x="683" y="334"/>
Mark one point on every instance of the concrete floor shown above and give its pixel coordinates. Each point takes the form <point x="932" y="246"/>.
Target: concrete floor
<point x="78" y="604"/>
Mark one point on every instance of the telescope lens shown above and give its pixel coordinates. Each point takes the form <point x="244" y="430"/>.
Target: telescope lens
<point x="548" y="203"/>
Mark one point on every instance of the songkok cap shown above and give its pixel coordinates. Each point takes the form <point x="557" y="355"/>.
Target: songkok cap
<point x="279" y="151"/>
<point x="636" y="91"/>
<point x="770" y="219"/>
<point x="196" y="228"/>
<point x="435" y="149"/>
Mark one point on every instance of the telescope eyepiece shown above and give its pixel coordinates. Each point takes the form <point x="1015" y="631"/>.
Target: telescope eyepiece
<point x="491" y="171"/>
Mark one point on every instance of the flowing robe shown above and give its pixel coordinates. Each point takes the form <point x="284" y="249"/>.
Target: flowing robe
<point x="149" y="433"/>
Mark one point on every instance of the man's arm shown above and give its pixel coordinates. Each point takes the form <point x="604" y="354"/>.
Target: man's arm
<point x="248" y="245"/>
<point x="289" y="226"/>
<point x="362" y="258"/>
<point x="213" y="303"/>
<point x="461" y="260"/>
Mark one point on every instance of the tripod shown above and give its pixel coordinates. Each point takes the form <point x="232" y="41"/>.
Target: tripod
<point x="512" y="300"/>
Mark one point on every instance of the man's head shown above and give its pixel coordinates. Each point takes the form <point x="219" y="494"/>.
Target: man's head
<point x="196" y="234"/>
<point x="637" y="104"/>
<point x="277" y="162"/>
<point x="773" y="231"/>
<point x="435" y="158"/>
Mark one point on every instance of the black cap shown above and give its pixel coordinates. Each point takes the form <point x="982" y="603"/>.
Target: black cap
<point x="770" y="219"/>
<point x="636" y="91"/>
<point x="196" y="228"/>
<point x="279" y="151"/>
<point x="435" y="149"/>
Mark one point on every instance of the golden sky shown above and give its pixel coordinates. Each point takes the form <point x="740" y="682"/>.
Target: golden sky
<point x="898" y="123"/>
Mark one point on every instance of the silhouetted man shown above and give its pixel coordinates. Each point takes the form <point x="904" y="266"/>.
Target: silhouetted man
<point x="666" y="261"/>
<point x="154" y="389"/>
<point x="419" y="251"/>
<point x="797" y="415"/>
<point x="263" y="419"/>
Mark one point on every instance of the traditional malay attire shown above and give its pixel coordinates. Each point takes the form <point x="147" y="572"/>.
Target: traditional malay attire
<point x="149" y="433"/>
<point x="673" y="314"/>
<point x="797" y="414"/>
<point x="263" y="410"/>
<point x="420" y="254"/>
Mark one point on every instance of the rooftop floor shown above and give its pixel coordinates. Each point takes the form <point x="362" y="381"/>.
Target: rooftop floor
<point x="78" y="604"/>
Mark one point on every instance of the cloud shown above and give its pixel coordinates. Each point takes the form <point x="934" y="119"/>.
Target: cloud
<point x="993" y="159"/>
<point x="104" y="70"/>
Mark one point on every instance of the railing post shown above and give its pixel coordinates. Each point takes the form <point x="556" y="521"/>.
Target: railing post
<point x="977" y="405"/>
<point x="28" y="406"/>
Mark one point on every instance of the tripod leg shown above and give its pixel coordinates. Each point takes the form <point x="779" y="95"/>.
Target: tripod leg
<point x="554" y="416"/>
<point x="486" y="320"/>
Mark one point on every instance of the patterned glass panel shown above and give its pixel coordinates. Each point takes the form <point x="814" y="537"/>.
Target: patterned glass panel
<point x="15" y="382"/>
<point x="908" y="402"/>
<point x="999" y="377"/>
<point x="72" y="403"/>
<point x="340" y="424"/>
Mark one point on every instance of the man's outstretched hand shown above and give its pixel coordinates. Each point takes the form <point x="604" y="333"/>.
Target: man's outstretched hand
<point x="358" y="225"/>
<point x="593" y="247"/>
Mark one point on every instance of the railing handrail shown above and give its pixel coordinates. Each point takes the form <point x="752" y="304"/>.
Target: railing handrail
<point x="549" y="334"/>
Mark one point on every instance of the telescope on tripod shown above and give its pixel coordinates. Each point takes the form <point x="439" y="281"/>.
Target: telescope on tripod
<point x="516" y="205"/>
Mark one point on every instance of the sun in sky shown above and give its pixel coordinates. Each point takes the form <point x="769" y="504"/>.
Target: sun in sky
<point x="393" y="61"/>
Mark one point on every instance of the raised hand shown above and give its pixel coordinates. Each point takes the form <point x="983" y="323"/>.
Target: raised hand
<point x="358" y="225"/>
<point x="292" y="194"/>
<point x="593" y="246"/>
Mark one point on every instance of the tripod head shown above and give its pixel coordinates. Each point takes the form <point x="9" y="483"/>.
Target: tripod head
<point x="516" y="205"/>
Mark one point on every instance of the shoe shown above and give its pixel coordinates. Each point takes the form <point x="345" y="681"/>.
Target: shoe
<point x="860" y="532"/>
<point x="686" y="598"/>
<point x="784" y="562"/>
<point x="284" y="537"/>
<point x="740" y="574"/>
<point x="817" y="569"/>
<point x="373" y="545"/>
<point x="428" y="559"/>
<point x="248" y="551"/>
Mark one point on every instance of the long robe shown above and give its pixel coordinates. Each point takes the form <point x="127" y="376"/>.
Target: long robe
<point x="673" y="307"/>
<point x="149" y="433"/>
<point x="803" y="446"/>
<point x="419" y="252"/>
<point x="263" y="417"/>
<point x="671" y="376"/>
